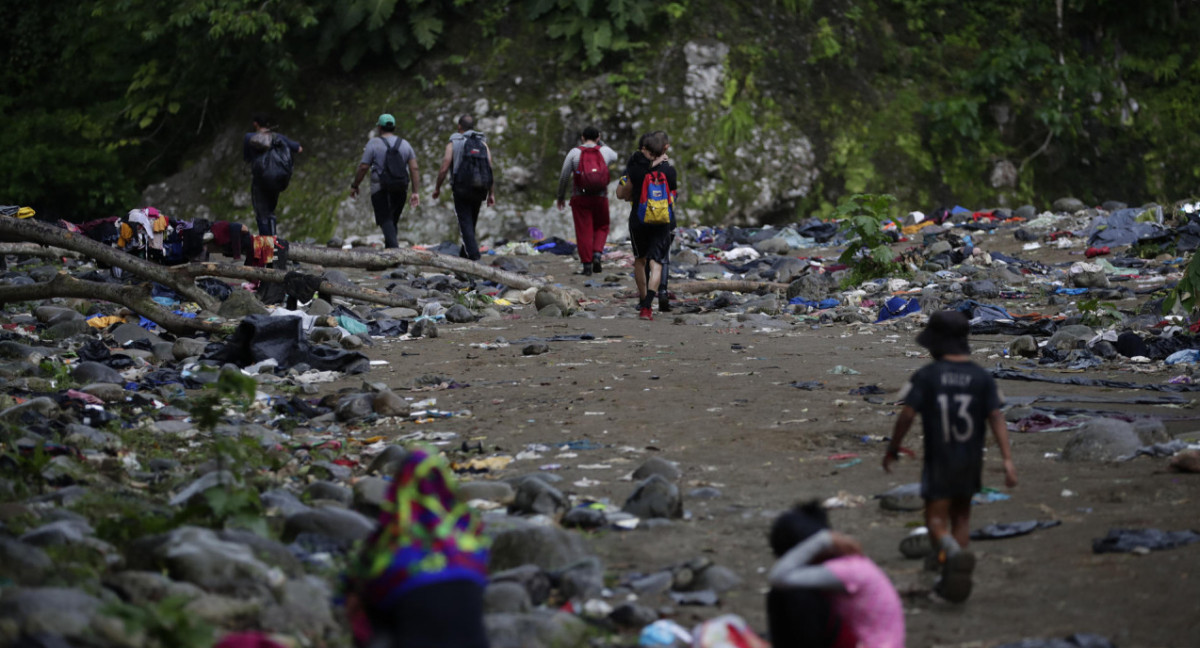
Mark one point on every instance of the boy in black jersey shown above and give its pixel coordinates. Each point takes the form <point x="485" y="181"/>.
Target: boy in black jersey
<point x="955" y="398"/>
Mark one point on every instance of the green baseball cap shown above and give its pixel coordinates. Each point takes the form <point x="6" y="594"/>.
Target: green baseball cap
<point x="387" y="120"/>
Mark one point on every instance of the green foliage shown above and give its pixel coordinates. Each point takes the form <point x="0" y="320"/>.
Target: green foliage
<point x="1093" y="312"/>
<point x="592" y="30"/>
<point x="1187" y="290"/>
<point x="869" y="254"/>
<point x="59" y="374"/>
<point x="25" y="468"/>
<point x="164" y="624"/>
<point x="231" y="387"/>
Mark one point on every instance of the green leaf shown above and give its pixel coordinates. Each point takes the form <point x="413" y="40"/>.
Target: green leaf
<point x="379" y="12"/>
<point x="426" y="28"/>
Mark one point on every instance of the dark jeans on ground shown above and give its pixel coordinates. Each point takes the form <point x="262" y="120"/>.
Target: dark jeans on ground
<point x="388" y="207"/>
<point x="264" y="201"/>
<point x="466" y="208"/>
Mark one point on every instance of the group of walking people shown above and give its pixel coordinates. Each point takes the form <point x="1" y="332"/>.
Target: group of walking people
<point x="649" y="183"/>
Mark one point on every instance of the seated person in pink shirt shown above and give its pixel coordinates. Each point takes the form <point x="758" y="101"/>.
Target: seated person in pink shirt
<point x="821" y="570"/>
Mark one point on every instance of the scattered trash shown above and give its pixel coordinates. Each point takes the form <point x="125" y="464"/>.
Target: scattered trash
<point x="1129" y="540"/>
<point x="1012" y="529"/>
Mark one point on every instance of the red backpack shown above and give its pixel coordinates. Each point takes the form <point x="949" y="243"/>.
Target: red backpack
<point x="591" y="175"/>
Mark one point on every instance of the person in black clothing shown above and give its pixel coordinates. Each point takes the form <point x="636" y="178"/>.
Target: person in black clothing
<point x="956" y="398"/>
<point x="263" y="198"/>
<point x="651" y="243"/>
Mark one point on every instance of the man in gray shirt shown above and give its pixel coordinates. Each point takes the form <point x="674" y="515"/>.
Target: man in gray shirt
<point x="586" y="168"/>
<point x="389" y="186"/>
<point x="467" y="200"/>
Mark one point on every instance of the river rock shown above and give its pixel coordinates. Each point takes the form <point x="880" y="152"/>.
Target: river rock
<point x="1101" y="439"/>
<point x="61" y="532"/>
<point x="23" y="563"/>
<point x="343" y="526"/>
<point x="94" y="372"/>
<point x="1025" y="346"/>
<point x="657" y="466"/>
<point x="201" y="557"/>
<point x="220" y="478"/>
<point x="187" y="348"/>
<point x="302" y="605"/>
<point x="538" y="629"/>
<point x="68" y="328"/>
<point x="536" y="348"/>
<point x="131" y="332"/>
<point x="240" y="304"/>
<point x="550" y="548"/>
<point x="282" y="502"/>
<point x="1069" y="205"/>
<point x="535" y="496"/>
<point x="582" y="580"/>
<point x="147" y="587"/>
<point x="325" y="490"/>
<point x="1069" y="337"/>
<point x="716" y="578"/>
<point x="53" y="611"/>
<point x="534" y="579"/>
<point x="506" y="596"/>
<point x="388" y="403"/>
<point x="387" y="462"/>
<point x="563" y="298"/>
<point x="459" y="314"/>
<point x="655" y="498"/>
<point x="43" y="405"/>
<point x="492" y="491"/>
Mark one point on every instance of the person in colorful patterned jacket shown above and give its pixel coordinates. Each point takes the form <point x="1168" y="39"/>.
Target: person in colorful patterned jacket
<point x="418" y="580"/>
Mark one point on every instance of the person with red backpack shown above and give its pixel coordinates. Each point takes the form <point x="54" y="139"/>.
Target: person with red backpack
<point x="586" y="169"/>
<point x="650" y="184"/>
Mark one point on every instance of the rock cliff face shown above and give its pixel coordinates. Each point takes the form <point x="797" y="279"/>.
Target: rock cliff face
<point x="757" y="171"/>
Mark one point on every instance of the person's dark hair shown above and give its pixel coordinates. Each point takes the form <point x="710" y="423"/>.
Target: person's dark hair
<point x="663" y="134"/>
<point x="797" y="525"/>
<point x="262" y="119"/>
<point x="388" y="128"/>
<point x="591" y="134"/>
<point x="466" y="122"/>
<point x="655" y="143"/>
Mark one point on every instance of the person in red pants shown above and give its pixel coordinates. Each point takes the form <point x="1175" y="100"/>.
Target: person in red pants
<point x="586" y="169"/>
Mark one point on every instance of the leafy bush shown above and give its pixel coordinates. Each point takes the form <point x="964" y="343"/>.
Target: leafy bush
<point x="861" y="217"/>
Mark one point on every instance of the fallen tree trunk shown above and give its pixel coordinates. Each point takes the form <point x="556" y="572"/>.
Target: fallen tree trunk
<point x="390" y="258"/>
<point x="249" y="273"/>
<point x="14" y="229"/>
<point x="136" y="298"/>
<point x="731" y="285"/>
<point x="33" y="249"/>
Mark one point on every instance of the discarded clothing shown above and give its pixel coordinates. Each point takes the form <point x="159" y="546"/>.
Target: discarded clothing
<point x="259" y="337"/>
<point x="1013" y="374"/>
<point x="898" y="307"/>
<point x="1165" y="449"/>
<point x="807" y="385"/>
<point x="1126" y="227"/>
<point x="1127" y="540"/>
<point x="819" y="305"/>
<point x="1012" y="529"/>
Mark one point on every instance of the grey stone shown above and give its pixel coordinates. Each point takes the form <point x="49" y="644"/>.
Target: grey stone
<point x="331" y="470"/>
<point x="1113" y="205"/>
<point x="48" y="314"/>
<point x="12" y="350"/>
<point x="938" y="247"/>
<point x="337" y="277"/>
<point x="352" y="342"/>
<point x="321" y="334"/>
<point x="582" y="580"/>
<point x="163" y="351"/>
<point x="146" y="587"/>
<point x="550" y="548"/>
<point x="319" y="307"/>
<point x="1025" y="346"/>
<point x="1150" y="431"/>
<point x="199" y="556"/>
<point x="283" y="502"/>
<point x="538" y="629"/>
<point x="1069" y="205"/>
<point x="187" y="348"/>
<point x="532" y="578"/>
<point x="23" y="563"/>
<point x="240" y="304"/>
<point x="633" y="616"/>
<point x="52" y="611"/>
<point x="550" y="311"/>
<point x="535" y="496"/>
<point x="717" y="578"/>
<point x="370" y="493"/>
<point x="62" y="470"/>
<point x="1101" y="439"/>
<point x="271" y="552"/>
<point x="175" y="427"/>
<point x="1069" y="337"/>
<point x="775" y="245"/>
<point x="224" y="611"/>
<point x="218" y="479"/>
<point x="981" y="289"/>
<point x="459" y="314"/>
<point x="423" y="328"/>
<point x="492" y="491"/>
<point x="54" y="534"/>
<point x="704" y="492"/>
<point x="657" y="466"/>
<point x="506" y="596"/>
<point x="399" y="313"/>
<point x="810" y="286"/>
<point x="129" y="332"/>
<point x="303" y="605"/>
<point x="655" y="498"/>
<point x="354" y="406"/>
<point x="324" y="490"/>
<point x="343" y="526"/>
<point x="387" y="462"/>
<point x="556" y="296"/>
<point x="66" y="329"/>
<point x="43" y="405"/>
<point x="388" y="403"/>
<point x="1026" y="212"/>
<point x="583" y="517"/>
<point x="537" y="348"/>
<point x="94" y="372"/>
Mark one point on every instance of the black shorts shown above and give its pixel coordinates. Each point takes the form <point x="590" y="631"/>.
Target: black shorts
<point x="650" y="241"/>
<point x="951" y="480"/>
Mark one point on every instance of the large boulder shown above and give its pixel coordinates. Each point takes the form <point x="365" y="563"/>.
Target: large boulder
<point x="1102" y="439"/>
<point x="550" y="548"/>
<point x="343" y="526"/>
<point x="538" y="629"/>
<point x="535" y="496"/>
<point x="655" y="498"/>
<point x="201" y="557"/>
<point x="53" y="611"/>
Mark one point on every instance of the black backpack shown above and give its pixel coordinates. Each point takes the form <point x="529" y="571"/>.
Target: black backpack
<point x="273" y="168"/>
<point x="393" y="177"/>
<point x="473" y="177"/>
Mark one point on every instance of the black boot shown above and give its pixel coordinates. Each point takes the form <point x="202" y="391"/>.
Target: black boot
<point x="664" y="303"/>
<point x="587" y="270"/>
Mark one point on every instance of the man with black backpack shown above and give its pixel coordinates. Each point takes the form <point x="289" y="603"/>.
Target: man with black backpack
<point x="586" y="168"/>
<point x="393" y="165"/>
<point x="470" y="160"/>
<point x="270" y="158"/>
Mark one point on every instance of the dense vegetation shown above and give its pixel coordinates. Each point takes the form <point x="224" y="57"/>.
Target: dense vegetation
<point x="931" y="100"/>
